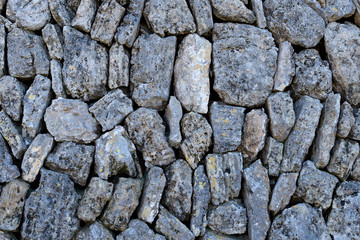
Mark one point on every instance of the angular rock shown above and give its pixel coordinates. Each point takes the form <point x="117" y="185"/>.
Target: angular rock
<point x="357" y="18"/>
<point x="227" y="123"/>
<point x="271" y="156"/>
<point x="257" y="6"/>
<point x="307" y="115"/>
<point x="115" y="154"/>
<point x="12" y="94"/>
<point x="341" y="40"/>
<point x="301" y="222"/>
<point x="355" y="173"/>
<point x="212" y="235"/>
<point x="228" y="218"/>
<point x="30" y="14"/>
<point x="2" y="48"/>
<point x="146" y="129"/>
<point x="139" y="230"/>
<point x="326" y="132"/>
<point x="315" y="187"/>
<point x="251" y="82"/>
<point x="130" y="25"/>
<point x="331" y="10"/>
<point x="163" y="17"/>
<point x="191" y="73"/>
<point x="12" y="202"/>
<point x="355" y="129"/>
<point x="7" y="236"/>
<point x="346" y="120"/>
<point x="282" y="192"/>
<point x="280" y="108"/>
<point x="153" y="190"/>
<point x="256" y="195"/>
<point x="12" y="135"/>
<point x="196" y="137"/>
<point x="286" y="20"/>
<point x="173" y="115"/>
<point x="94" y="231"/>
<point x="72" y="159"/>
<point x="232" y="10"/>
<point x="285" y="67"/>
<point x="62" y="11"/>
<point x="200" y="202"/>
<point x="111" y="109"/>
<point x="202" y="12"/>
<point x="106" y="21"/>
<point x="35" y="155"/>
<point x="96" y="195"/>
<point x="36" y="100"/>
<point x="118" y="66"/>
<point x="122" y="203"/>
<point x="85" y="66"/>
<point x="232" y="168"/>
<point x="85" y="15"/>
<point x="70" y="120"/>
<point x="214" y="170"/>
<point x="26" y="54"/>
<point x="74" y="4"/>
<point x="50" y="210"/>
<point x="57" y="78"/>
<point x="168" y="225"/>
<point x="54" y="41"/>
<point x="152" y="61"/>
<point x="8" y="170"/>
<point x="343" y="158"/>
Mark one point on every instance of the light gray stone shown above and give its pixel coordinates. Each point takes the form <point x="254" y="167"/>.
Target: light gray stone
<point x="232" y="10"/>
<point x="172" y="116"/>
<point x="119" y="60"/>
<point x="271" y="156"/>
<point x="94" y="231"/>
<point x="8" y="170"/>
<point x="202" y="12"/>
<point x="57" y="78"/>
<point x="355" y="172"/>
<point x="332" y="10"/>
<point x="85" y="15"/>
<point x="62" y="11"/>
<point x="54" y="41"/>
<point x="212" y="235"/>
<point x="346" y="120"/>
<point x="139" y="230"/>
<point x="355" y="129"/>
<point x="2" y="48"/>
<point x="232" y="168"/>
<point x="257" y="6"/>
<point x="285" y="67"/>
<point x="214" y="170"/>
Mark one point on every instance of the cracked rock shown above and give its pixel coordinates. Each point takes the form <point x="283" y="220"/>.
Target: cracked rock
<point x="57" y="78"/>
<point x="8" y="170"/>
<point x="202" y="12"/>
<point x="173" y="115"/>
<point x="232" y="10"/>
<point x="285" y="67"/>
<point x="54" y="41"/>
<point x="271" y="156"/>
<point x="346" y="120"/>
<point x="355" y="129"/>
<point x="139" y="230"/>
<point x="94" y="231"/>
<point x="62" y="11"/>
<point x="85" y="15"/>
<point x="118" y="66"/>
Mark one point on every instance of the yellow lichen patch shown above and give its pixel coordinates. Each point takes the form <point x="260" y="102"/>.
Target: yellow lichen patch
<point x="294" y="206"/>
<point x="146" y="212"/>
<point x="202" y="185"/>
<point x="226" y="121"/>
<point x="233" y="111"/>
<point x="58" y="184"/>
<point x="31" y="96"/>
<point x="213" y="180"/>
<point x="101" y="170"/>
<point x="71" y="67"/>
<point x="224" y="134"/>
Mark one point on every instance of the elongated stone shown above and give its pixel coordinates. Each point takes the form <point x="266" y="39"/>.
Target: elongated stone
<point x="7" y="236"/>
<point x="93" y="232"/>
<point x="2" y="48"/>
<point x="355" y="173"/>
<point x="118" y="66"/>
<point x="271" y="156"/>
<point x="57" y="78"/>
<point x="258" y="9"/>
<point x="202" y="12"/>
<point x="85" y="15"/>
<point x="173" y="115"/>
<point x="355" y="129"/>
<point x="346" y="120"/>
<point x="285" y="67"/>
<point x="54" y="41"/>
<point x="214" y="170"/>
<point x="139" y="230"/>
<point x="8" y="170"/>
<point x="62" y="11"/>
<point x="232" y="10"/>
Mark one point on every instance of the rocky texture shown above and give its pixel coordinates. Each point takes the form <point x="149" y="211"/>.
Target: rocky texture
<point x="346" y="120"/>
<point x="139" y="230"/>
<point x="331" y="10"/>
<point x="2" y="48"/>
<point x="212" y="235"/>
<point x="62" y="11"/>
<point x="118" y="66"/>
<point x="271" y="156"/>
<point x="70" y="120"/>
<point x="355" y="173"/>
<point x="251" y="82"/>
<point x="8" y="170"/>
<point x="257" y="6"/>
<point x="54" y="41"/>
<point x="285" y="67"/>
<point x="229" y="10"/>
<point x="173" y="115"/>
<point x="355" y="129"/>
<point x="202" y="12"/>
<point x="93" y="232"/>
<point x="85" y="15"/>
<point x="215" y="173"/>
<point x="7" y="236"/>
<point x="57" y="78"/>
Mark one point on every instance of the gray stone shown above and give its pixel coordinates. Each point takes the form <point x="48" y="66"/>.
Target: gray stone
<point x="212" y="235"/>
<point x="257" y="6"/>
<point x="54" y="41"/>
<point x="106" y="21"/>
<point x="285" y="67"/>
<point x="197" y="134"/>
<point x="357" y="18"/>
<point x="118" y="66"/>
<point x="214" y="170"/>
<point x="346" y="120"/>
<point x="313" y="75"/>
<point x="111" y="109"/>
<point x="332" y="10"/>
<point x="168" y="225"/>
<point x="355" y="128"/>
<point x="96" y="195"/>
<point x="94" y="231"/>
<point x="85" y="66"/>
<point x="9" y="26"/>
<point x="36" y="100"/>
<point x="152" y="61"/>
<point x="169" y="17"/>
<point x="2" y="48"/>
<point x="286" y="20"/>
<point x="8" y="170"/>
<point x="7" y="236"/>
<point x="35" y="155"/>
<point x="256" y="195"/>
<point x="228" y="218"/>
<point x="57" y="78"/>
<point x="12" y="135"/>
<point x="12" y="202"/>
<point x="282" y="192"/>
<point x="232" y="168"/>
<point x="326" y="132"/>
<point x="341" y="40"/>
<point x="191" y="73"/>
<point x="62" y="11"/>
<point x="251" y="82"/>
<point x="85" y="15"/>
<point x="202" y="12"/>
<point x="200" y="202"/>
<point x="50" y="210"/>
<point x="355" y="173"/>
<point x="26" y="54"/>
<point x="139" y="230"/>
<point x="280" y="108"/>
<point x="172" y="116"/>
<point x="146" y="129"/>
<point x="227" y="123"/>
<point x="72" y="159"/>
<point x="307" y="115"/>
<point x="115" y="153"/>
<point x="315" y="187"/>
<point x="254" y="134"/>
<point x="74" y="4"/>
<point x="122" y="204"/>
<point x="70" y="120"/>
<point x="300" y="222"/>
<point x="12" y="94"/>
<point x="29" y="14"/>
<point x="130" y="25"/>
<point x="271" y="156"/>
<point x="343" y="158"/>
<point x="232" y="10"/>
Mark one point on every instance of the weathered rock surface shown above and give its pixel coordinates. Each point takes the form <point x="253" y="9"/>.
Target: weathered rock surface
<point x="232" y="10"/>
<point x="8" y="170"/>
<point x="212" y="235"/>
<point x="54" y="41"/>
<point x="202" y="12"/>
<point x="271" y="156"/>
<point x="7" y="236"/>
<point x="355" y="129"/>
<point x="257" y="6"/>
<point x="94" y="231"/>
<point x="172" y="116"/>
<point x="285" y="67"/>
<point x="139" y="230"/>
<point x="331" y="10"/>
<point x="57" y="78"/>
<point x="346" y="120"/>
<point x="2" y="47"/>
<point x="355" y="173"/>
<point x="85" y="15"/>
<point x="118" y="66"/>
<point x="214" y="170"/>
<point x="62" y="11"/>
